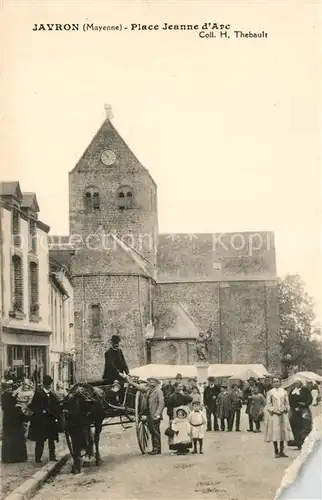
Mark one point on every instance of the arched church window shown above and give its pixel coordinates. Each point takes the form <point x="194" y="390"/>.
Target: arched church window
<point x="88" y="200"/>
<point x="121" y="201"/>
<point x="96" y="201"/>
<point x="129" y="199"/>
<point x="125" y="198"/>
<point x="92" y="199"/>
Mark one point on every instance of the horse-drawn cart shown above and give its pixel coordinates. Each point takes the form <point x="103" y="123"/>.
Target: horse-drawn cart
<point x="95" y="405"/>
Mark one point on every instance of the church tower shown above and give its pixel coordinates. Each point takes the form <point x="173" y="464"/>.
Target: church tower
<point x="111" y="191"/>
<point x="114" y="227"/>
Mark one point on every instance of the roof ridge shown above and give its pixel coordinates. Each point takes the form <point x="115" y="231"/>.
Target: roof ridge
<point x="177" y="316"/>
<point x="128" y="147"/>
<point x="127" y="248"/>
<point x="132" y="248"/>
<point x="107" y="121"/>
<point x="89" y="145"/>
<point x="189" y="315"/>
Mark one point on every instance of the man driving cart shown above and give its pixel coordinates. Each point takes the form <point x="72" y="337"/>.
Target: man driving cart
<point x="115" y="365"/>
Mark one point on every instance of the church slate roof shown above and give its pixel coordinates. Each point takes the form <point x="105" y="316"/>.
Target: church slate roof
<point x="175" y="323"/>
<point x="61" y="250"/>
<point x="248" y="255"/>
<point x="135" y="256"/>
<point x="62" y="256"/>
<point x="62" y="247"/>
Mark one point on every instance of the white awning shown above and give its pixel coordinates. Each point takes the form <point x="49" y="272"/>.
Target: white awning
<point x="164" y="371"/>
<point x="188" y="371"/>
<point x="237" y="371"/>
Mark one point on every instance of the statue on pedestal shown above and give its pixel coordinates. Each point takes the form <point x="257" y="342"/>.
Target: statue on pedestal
<point x="202" y="344"/>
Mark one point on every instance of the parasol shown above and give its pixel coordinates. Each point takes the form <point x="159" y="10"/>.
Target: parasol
<point x="310" y="376"/>
<point x="244" y="375"/>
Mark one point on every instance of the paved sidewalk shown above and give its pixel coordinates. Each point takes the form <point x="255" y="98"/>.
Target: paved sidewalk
<point x="13" y="475"/>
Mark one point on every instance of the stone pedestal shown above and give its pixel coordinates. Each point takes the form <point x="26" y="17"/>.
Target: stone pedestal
<point x="202" y="371"/>
<point x="202" y="374"/>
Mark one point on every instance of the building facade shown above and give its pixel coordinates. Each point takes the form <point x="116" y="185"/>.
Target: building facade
<point x="151" y="288"/>
<point x="62" y="341"/>
<point x="24" y="278"/>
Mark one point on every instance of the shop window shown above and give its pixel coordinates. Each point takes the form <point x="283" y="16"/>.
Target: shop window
<point x="26" y="361"/>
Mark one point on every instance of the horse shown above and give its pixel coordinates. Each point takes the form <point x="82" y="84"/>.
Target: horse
<point x="83" y="408"/>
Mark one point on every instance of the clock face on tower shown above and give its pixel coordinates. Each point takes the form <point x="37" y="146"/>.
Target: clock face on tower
<point x="108" y="157"/>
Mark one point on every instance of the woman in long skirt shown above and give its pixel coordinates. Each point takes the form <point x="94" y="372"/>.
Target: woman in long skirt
<point x="278" y="428"/>
<point x="13" y="448"/>
<point x="300" y="399"/>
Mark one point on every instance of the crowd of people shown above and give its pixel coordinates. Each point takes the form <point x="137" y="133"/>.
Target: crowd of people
<point x="32" y="413"/>
<point x="284" y="415"/>
<point x="191" y="409"/>
<point x="222" y="406"/>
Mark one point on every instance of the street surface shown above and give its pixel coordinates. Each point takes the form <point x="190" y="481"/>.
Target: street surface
<point x="13" y="475"/>
<point x="235" y="466"/>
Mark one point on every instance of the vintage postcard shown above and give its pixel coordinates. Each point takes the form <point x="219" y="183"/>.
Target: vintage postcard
<point x="160" y="250"/>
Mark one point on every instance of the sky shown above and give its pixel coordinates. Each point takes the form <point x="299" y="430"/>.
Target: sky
<point x="228" y="128"/>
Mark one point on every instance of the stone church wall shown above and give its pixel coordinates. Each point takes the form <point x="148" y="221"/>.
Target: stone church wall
<point x="250" y="331"/>
<point x="110" y="297"/>
<point x="122" y="311"/>
<point x="172" y="352"/>
<point x="200" y="300"/>
<point x="246" y="310"/>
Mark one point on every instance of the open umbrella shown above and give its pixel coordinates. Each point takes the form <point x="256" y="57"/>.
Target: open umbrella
<point x="311" y="376"/>
<point x="245" y="374"/>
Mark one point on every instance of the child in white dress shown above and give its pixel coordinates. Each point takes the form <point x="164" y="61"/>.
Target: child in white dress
<point x="197" y="421"/>
<point x="182" y="431"/>
<point x="195" y="394"/>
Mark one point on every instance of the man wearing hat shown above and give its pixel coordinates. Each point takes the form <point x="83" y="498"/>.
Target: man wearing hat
<point x="179" y="380"/>
<point x="155" y="407"/>
<point x="247" y="396"/>
<point x="210" y="396"/>
<point x="115" y="364"/>
<point x="44" y="423"/>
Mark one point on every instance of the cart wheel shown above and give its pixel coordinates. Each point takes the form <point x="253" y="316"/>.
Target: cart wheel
<point x="142" y="429"/>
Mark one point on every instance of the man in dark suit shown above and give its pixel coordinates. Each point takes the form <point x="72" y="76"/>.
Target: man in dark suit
<point x="115" y="364"/>
<point x="44" y="423"/>
<point x="167" y="389"/>
<point x="210" y="395"/>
